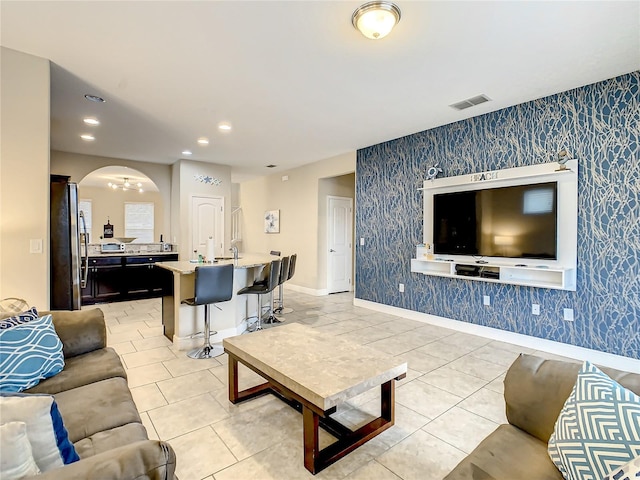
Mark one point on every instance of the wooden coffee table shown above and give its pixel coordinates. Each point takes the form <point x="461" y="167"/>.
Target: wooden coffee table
<point x="314" y="373"/>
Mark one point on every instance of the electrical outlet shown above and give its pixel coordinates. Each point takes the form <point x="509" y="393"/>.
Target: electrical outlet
<point x="486" y="300"/>
<point x="535" y="309"/>
<point x="568" y="314"/>
<point x="401" y="287"/>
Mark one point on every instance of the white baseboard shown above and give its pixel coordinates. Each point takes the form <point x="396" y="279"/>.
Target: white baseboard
<point x="307" y="290"/>
<point x="188" y="343"/>
<point x="579" y="353"/>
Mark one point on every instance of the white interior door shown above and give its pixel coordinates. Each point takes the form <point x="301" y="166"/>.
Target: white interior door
<point x="339" y="256"/>
<point x="207" y="220"/>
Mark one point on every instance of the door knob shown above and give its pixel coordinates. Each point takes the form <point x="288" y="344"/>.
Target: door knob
<point x="331" y="250"/>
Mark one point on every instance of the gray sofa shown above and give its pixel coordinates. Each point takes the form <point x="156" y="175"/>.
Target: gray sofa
<point x="535" y="390"/>
<point x="97" y="408"/>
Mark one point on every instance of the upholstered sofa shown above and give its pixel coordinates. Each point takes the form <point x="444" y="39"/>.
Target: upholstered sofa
<point x="535" y="391"/>
<point x="97" y="408"/>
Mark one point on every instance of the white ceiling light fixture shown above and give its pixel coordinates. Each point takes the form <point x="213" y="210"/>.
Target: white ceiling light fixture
<point x="187" y="152"/>
<point x="224" y="126"/>
<point x="203" y="141"/>
<point x="91" y="121"/>
<point x="94" y="98"/>
<point x="87" y="137"/>
<point x="376" y="19"/>
<point x="126" y="185"/>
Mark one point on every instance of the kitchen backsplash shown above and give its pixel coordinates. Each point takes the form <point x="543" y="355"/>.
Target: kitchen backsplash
<point x="94" y="248"/>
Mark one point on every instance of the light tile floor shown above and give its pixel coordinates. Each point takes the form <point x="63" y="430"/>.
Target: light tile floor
<point x="450" y="400"/>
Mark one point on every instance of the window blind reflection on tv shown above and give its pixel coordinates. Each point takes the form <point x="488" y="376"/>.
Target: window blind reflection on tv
<point x="513" y="222"/>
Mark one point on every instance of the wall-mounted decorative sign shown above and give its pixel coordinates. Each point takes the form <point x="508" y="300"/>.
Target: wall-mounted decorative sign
<point x="208" y="179"/>
<point x="272" y="221"/>
<point x="108" y="230"/>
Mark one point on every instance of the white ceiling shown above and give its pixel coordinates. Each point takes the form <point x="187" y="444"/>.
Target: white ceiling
<point x="294" y="78"/>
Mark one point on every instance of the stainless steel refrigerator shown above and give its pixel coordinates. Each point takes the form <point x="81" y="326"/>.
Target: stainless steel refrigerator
<point x="67" y="274"/>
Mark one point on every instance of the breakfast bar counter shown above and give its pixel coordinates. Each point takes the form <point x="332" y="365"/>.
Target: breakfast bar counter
<point x="180" y="321"/>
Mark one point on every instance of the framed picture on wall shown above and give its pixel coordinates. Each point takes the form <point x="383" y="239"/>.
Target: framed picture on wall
<point x="272" y="221"/>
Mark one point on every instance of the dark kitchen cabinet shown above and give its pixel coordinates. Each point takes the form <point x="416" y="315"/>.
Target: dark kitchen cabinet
<point x="143" y="277"/>
<point x="117" y="278"/>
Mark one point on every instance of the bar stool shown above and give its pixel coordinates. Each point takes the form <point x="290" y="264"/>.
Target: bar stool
<point x="213" y="284"/>
<point x="261" y="288"/>
<point x="292" y="269"/>
<point x="284" y="273"/>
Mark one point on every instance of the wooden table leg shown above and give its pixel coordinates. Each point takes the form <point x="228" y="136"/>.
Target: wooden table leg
<point x="310" y="422"/>
<point x="233" y="379"/>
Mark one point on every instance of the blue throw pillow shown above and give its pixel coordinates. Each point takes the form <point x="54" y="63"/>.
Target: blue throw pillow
<point x="46" y="432"/>
<point x="29" y="352"/>
<point x="598" y="429"/>
<point x="19" y="318"/>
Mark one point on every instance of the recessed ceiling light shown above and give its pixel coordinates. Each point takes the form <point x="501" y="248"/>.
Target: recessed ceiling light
<point x="203" y="141"/>
<point x="87" y="137"/>
<point x="224" y="126"/>
<point x="187" y="152"/>
<point x="91" y="121"/>
<point x="94" y="98"/>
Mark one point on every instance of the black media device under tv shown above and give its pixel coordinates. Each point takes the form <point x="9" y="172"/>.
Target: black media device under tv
<point x="519" y="221"/>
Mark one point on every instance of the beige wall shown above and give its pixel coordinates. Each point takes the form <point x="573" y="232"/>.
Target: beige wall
<point x="107" y="203"/>
<point x="186" y="186"/>
<point x="24" y="177"/>
<point x="78" y="166"/>
<point x="298" y="200"/>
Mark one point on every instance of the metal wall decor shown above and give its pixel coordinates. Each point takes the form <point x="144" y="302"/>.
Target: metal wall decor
<point x="208" y="179"/>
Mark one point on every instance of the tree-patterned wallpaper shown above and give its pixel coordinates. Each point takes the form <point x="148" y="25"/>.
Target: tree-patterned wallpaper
<point x="600" y="125"/>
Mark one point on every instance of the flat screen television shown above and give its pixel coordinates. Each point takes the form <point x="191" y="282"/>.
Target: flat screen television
<point x="514" y="222"/>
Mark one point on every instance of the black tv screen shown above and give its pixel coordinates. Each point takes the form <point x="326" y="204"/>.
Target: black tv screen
<point x="513" y="222"/>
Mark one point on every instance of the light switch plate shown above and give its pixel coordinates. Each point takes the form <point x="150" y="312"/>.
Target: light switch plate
<point x="35" y="245"/>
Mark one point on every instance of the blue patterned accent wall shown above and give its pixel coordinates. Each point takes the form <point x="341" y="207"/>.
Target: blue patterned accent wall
<point x="600" y="125"/>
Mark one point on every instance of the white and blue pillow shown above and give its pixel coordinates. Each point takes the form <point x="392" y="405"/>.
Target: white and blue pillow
<point x="598" y="429"/>
<point x="29" y="352"/>
<point x="46" y="433"/>
<point x="17" y="454"/>
<point x="19" y="318"/>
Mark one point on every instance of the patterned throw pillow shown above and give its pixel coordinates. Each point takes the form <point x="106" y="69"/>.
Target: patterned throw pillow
<point x="23" y="317"/>
<point x="598" y="430"/>
<point x="46" y="433"/>
<point x="29" y="352"/>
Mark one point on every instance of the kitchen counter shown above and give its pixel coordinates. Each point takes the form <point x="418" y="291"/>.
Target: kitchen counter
<point x="244" y="261"/>
<point x="181" y="321"/>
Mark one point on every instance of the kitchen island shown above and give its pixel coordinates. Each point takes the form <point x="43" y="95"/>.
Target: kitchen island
<point x="180" y="321"/>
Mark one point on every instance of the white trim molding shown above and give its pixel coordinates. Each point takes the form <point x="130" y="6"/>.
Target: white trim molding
<point x="309" y="291"/>
<point x="550" y="346"/>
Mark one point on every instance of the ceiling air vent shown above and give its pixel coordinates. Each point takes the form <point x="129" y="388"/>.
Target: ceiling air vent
<point x="470" y="102"/>
<point x="271" y="166"/>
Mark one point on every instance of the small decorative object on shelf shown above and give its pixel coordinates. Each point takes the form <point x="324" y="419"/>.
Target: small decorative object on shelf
<point x="562" y="157"/>
<point x="433" y="172"/>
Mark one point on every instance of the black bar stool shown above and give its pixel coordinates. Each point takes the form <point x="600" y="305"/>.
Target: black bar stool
<point x="284" y="273"/>
<point x="263" y="287"/>
<point x="292" y="269"/>
<point x="213" y="284"/>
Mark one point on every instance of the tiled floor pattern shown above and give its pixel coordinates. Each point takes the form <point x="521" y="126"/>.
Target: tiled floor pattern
<point x="450" y="400"/>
